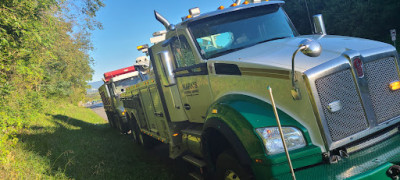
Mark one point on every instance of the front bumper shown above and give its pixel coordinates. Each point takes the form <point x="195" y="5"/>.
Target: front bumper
<point x="369" y="163"/>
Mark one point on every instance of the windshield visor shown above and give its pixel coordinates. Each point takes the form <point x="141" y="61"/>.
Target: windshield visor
<point x="228" y="32"/>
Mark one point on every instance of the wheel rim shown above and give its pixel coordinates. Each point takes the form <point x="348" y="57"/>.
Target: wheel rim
<point x="231" y="175"/>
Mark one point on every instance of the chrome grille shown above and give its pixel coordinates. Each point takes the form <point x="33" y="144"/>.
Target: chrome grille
<point x="351" y="118"/>
<point x="379" y="74"/>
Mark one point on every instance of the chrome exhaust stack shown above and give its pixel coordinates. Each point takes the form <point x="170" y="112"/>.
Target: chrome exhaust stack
<point x="164" y="21"/>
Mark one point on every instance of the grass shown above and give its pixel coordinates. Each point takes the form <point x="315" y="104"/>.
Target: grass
<point x="72" y="142"/>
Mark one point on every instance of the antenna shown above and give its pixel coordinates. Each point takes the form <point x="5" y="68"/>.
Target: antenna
<point x="308" y="15"/>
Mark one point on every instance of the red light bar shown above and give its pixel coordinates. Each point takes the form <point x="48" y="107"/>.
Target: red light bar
<point x="111" y="74"/>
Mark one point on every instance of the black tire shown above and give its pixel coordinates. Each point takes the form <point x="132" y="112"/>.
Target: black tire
<point x="228" y="167"/>
<point x="124" y="127"/>
<point x="111" y="122"/>
<point x="134" y="129"/>
<point x="147" y="141"/>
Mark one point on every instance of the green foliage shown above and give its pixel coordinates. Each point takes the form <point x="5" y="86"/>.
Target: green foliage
<point x="370" y="19"/>
<point x="68" y="142"/>
<point x="41" y="58"/>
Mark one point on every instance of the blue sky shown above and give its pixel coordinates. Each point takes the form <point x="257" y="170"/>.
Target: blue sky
<point x="129" y="23"/>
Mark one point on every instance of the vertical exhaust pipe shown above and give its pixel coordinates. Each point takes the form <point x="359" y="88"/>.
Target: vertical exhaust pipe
<point x="164" y="21"/>
<point x="319" y="24"/>
<point x="237" y="2"/>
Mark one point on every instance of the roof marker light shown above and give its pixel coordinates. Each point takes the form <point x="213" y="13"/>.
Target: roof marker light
<point x="188" y="16"/>
<point x="194" y="11"/>
<point x="246" y="2"/>
<point x="221" y="7"/>
<point x="394" y="85"/>
<point x="144" y="46"/>
<point x="233" y="5"/>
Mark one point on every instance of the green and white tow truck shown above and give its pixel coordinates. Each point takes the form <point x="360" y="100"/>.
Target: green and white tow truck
<point x="208" y="95"/>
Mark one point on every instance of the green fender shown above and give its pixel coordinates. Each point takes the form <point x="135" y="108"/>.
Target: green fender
<point x="240" y="115"/>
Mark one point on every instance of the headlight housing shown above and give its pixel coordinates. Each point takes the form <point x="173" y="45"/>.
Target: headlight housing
<point x="272" y="140"/>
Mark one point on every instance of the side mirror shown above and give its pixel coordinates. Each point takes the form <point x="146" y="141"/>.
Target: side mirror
<point x="310" y="48"/>
<point x="168" y="76"/>
<point x="319" y="24"/>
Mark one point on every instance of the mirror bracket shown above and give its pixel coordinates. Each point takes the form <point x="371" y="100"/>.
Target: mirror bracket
<point x="309" y="48"/>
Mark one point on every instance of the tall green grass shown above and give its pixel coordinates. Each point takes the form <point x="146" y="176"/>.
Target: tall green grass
<point x="71" y="142"/>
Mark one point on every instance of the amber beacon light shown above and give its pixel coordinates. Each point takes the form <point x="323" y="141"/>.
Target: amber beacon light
<point x="394" y="85"/>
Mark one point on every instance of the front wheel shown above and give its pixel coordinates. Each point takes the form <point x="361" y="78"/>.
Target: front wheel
<point x="229" y="168"/>
<point x="134" y="130"/>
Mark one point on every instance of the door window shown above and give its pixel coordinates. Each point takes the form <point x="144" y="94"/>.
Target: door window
<point x="182" y="52"/>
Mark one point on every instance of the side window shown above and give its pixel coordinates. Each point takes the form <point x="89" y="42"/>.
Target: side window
<point x="182" y="52"/>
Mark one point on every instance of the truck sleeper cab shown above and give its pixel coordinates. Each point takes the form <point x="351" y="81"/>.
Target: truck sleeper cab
<point x="206" y="97"/>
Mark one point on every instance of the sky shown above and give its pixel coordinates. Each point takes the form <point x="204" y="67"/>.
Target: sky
<point x="130" y="23"/>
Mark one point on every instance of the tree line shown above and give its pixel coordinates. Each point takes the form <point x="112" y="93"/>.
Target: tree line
<point x="44" y="46"/>
<point x="371" y="19"/>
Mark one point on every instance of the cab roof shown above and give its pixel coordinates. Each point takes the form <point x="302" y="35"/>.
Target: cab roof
<point x="227" y="10"/>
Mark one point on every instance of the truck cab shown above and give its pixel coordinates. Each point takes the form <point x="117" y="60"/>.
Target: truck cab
<point x="115" y="83"/>
<point x="207" y="97"/>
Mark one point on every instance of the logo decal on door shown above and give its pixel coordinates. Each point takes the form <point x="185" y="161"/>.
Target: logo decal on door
<point x="190" y="89"/>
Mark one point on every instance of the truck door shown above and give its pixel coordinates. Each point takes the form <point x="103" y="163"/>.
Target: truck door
<point x="192" y="80"/>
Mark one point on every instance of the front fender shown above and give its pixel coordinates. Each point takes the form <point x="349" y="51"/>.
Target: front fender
<point x="242" y="114"/>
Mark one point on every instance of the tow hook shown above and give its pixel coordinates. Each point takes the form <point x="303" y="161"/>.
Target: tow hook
<point x="393" y="172"/>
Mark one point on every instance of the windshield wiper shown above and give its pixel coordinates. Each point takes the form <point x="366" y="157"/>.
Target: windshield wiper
<point x="226" y="52"/>
<point x="272" y="39"/>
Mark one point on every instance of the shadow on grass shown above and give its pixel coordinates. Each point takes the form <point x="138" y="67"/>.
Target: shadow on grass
<point x="83" y="150"/>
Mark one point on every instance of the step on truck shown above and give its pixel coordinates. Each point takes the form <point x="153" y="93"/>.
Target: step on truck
<point x="336" y="98"/>
<point x="115" y="83"/>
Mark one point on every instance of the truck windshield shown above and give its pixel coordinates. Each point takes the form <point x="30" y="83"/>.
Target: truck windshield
<point x="228" y="32"/>
<point x="120" y="86"/>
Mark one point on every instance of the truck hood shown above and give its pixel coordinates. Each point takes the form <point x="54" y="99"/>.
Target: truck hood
<point x="278" y="53"/>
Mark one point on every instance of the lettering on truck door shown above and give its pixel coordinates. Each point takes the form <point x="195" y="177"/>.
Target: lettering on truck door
<point x="192" y="80"/>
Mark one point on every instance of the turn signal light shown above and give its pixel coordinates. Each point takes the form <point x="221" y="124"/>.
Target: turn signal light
<point x="394" y="85"/>
<point x="221" y="7"/>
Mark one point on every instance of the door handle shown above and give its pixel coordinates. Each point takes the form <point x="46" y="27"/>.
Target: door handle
<point x="159" y="114"/>
<point x="187" y="106"/>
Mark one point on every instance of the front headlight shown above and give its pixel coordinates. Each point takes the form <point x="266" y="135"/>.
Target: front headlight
<point x="272" y="140"/>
